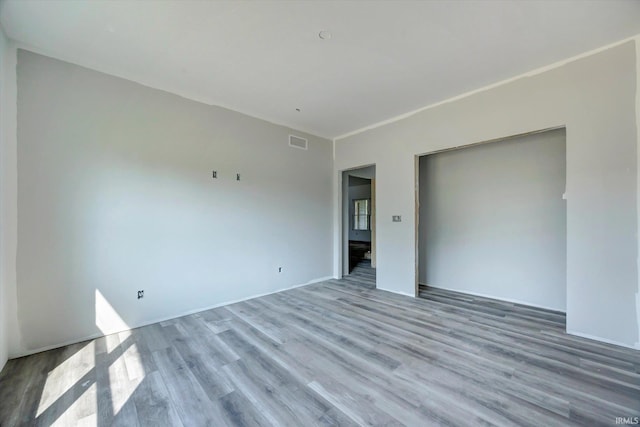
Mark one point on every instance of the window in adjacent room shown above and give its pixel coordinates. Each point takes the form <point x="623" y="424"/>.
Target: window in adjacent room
<point x="361" y="214"/>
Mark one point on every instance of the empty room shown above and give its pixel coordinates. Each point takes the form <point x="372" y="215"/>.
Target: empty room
<point x="331" y="213"/>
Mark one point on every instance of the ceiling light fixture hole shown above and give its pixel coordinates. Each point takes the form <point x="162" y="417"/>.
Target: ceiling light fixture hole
<point x="324" y="35"/>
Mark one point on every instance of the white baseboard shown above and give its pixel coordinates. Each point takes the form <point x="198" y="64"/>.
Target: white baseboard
<point x="163" y="319"/>
<point x="574" y="333"/>
<point x="603" y="340"/>
<point x="396" y="292"/>
<point x="477" y="294"/>
<point x="52" y="346"/>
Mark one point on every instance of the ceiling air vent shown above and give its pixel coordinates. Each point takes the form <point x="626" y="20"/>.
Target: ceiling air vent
<point x="297" y="142"/>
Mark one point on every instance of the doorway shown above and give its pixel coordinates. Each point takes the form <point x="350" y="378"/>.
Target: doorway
<point x="358" y="223"/>
<point x="492" y="220"/>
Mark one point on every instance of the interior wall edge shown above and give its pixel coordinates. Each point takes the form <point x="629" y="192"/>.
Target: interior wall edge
<point x="8" y="180"/>
<point x="637" y="42"/>
<point x="336" y="178"/>
<point x="337" y="220"/>
<point x="4" y="340"/>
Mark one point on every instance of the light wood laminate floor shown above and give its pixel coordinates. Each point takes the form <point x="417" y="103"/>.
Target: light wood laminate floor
<point x="334" y="353"/>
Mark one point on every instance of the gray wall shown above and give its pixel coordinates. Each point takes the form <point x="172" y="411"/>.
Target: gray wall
<point x="594" y="97"/>
<point x="493" y="222"/>
<point x="4" y="333"/>
<point x="115" y="194"/>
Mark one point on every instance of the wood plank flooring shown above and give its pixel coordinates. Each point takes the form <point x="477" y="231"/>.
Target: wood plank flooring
<point x="335" y="353"/>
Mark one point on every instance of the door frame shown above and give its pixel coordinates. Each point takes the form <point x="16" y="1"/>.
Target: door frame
<point x="343" y="258"/>
<point x="417" y="186"/>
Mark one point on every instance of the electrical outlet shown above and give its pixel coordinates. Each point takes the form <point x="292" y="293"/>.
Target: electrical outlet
<point x="140" y="294"/>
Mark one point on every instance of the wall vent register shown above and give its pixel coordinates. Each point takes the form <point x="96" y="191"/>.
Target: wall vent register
<point x="297" y="142"/>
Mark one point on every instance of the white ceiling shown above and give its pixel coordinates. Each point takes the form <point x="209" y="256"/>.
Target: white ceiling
<point x="264" y="58"/>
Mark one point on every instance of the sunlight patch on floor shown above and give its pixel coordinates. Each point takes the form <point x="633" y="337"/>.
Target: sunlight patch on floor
<point x="67" y="375"/>
<point x="82" y="411"/>
<point x="126" y="371"/>
<point x="125" y="375"/>
<point x="133" y="361"/>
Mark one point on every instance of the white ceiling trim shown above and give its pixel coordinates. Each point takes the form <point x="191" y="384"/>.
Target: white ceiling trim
<point x="531" y="73"/>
